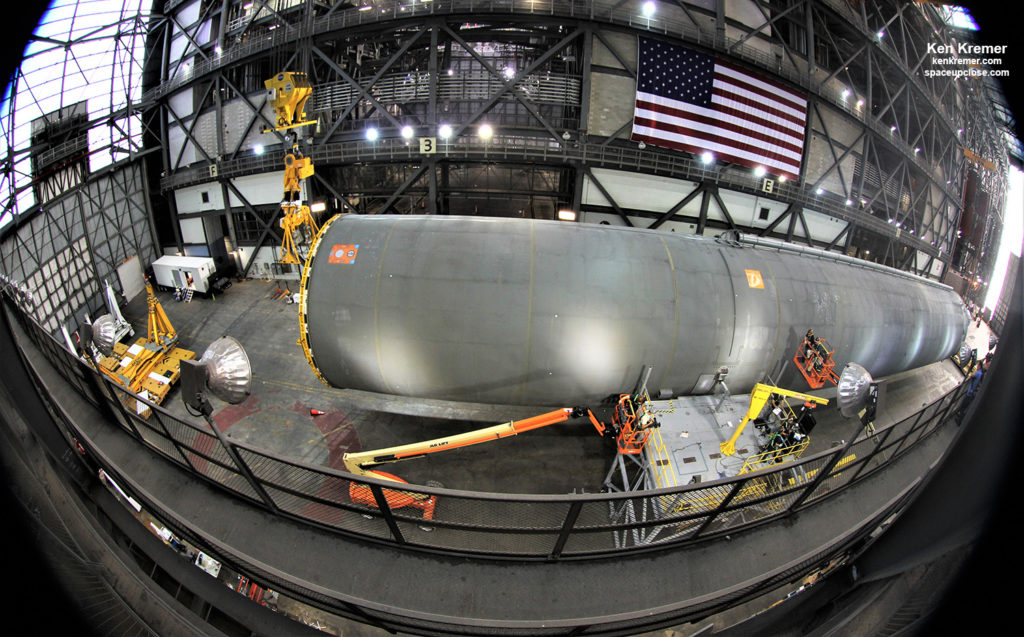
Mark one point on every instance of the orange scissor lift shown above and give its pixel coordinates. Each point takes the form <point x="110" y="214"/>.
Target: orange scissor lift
<point x="814" y="360"/>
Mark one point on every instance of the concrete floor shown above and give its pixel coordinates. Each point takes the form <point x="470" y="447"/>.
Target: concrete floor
<point x="564" y="458"/>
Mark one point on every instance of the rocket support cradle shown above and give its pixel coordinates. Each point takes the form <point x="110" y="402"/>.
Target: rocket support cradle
<point x="533" y="312"/>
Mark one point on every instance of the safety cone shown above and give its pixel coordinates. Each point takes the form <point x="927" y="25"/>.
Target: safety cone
<point x="315" y="412"/>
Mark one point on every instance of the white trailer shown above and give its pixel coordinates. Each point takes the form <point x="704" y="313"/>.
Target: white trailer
<point x="184" y="272"/>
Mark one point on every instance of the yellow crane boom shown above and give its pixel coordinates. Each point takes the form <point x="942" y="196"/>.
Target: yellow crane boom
<point x="758" y="397"/>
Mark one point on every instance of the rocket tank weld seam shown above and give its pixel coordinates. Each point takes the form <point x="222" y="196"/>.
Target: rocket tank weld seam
<point x="376" y="308"/>
<point x="732" y="290"/>
<point x="529" y="319"/>
<point x="778" y="315"/>
<point x="675" y="304"/>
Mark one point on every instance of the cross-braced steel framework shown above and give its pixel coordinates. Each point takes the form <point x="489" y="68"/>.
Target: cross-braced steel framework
<point x="507" y="108"/>
<point x="502" y="107"/>
<point x="490" y="107"/>
<point x="75" y="198"/>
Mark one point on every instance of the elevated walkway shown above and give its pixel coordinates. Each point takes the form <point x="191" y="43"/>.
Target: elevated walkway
<point x="405" y="589"/>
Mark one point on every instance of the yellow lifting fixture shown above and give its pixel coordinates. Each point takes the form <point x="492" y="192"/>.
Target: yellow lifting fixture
<point x="758" y="397"/>
<point x="160" y="332"/>
<point x="296" y="215"/>
<point x="289" y="91"/>
<point x="152" y="365"/>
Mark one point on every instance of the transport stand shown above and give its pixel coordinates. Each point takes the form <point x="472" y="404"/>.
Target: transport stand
<point x="686" y="448"/>
<point x="683" y="450"/>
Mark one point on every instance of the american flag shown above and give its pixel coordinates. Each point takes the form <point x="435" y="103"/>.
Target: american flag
<point x="690" y="101"/>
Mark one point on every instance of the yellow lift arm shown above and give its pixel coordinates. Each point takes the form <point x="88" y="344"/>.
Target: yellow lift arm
<point x="758" y="397"/>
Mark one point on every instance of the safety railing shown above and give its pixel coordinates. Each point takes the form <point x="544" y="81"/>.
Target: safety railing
<point x="594" y="154"/>
<point x="514" y="526"/>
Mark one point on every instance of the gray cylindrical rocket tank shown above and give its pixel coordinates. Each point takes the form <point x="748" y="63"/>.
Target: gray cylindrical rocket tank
<point x="530" y="312"/>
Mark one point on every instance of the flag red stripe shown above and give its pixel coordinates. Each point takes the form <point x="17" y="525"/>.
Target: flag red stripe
<point x="718" y="139"/>
<point x="783" y="93"/>
<point x="755" y="107"/>
<point x="696" y="150"/>
<point x="711" y="121"/>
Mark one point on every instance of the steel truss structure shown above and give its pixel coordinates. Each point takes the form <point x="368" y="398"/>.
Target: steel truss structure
<point x="480" y="107"/>
<point x="75" y="194"/>
<point x="493" y="107"/>
<point x="884" y="160"/>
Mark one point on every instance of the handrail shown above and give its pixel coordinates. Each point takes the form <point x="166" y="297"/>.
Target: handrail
<point x="536" y="150"/>
<point x="519" y="526"/>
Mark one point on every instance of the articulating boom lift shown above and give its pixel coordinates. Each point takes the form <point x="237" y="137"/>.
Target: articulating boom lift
<point x="630" y="424"/>
<point x="814" y="360"/>
<point x="758" y="397"/>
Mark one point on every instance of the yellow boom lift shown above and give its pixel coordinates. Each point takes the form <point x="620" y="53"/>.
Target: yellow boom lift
<point x="289" y="93"/>
<point x="758" y="397"/>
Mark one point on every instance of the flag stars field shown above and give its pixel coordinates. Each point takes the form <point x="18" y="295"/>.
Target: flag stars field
<point x="690" y="101"/>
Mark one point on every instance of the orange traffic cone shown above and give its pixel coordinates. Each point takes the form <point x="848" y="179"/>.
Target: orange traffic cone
<point x="315" y="412"/>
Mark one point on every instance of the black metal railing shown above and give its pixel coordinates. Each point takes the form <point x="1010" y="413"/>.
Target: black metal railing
<point x="592" y="153"/>
<point x="513" y="526"/>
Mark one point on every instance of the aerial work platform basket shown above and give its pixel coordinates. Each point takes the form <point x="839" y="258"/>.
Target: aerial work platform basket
<point x="814" y="360"/>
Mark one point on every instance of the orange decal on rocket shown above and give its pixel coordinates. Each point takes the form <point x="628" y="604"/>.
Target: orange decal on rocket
<point x="343" y="254"/>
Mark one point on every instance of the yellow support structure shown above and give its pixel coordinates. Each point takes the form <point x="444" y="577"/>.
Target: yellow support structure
<point x="160" y="332"/>
<point x="768" y="459"/>
<point x="303" y="342"/>
<point x="664" y="473"/>
<point x="295" y="215"/>
<point x="758" y="397"/>
<point x="813" y="472"/>
<point x="295" y="170"/>
<point x="289" y="92"/>
<point x="150" y="366"/>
